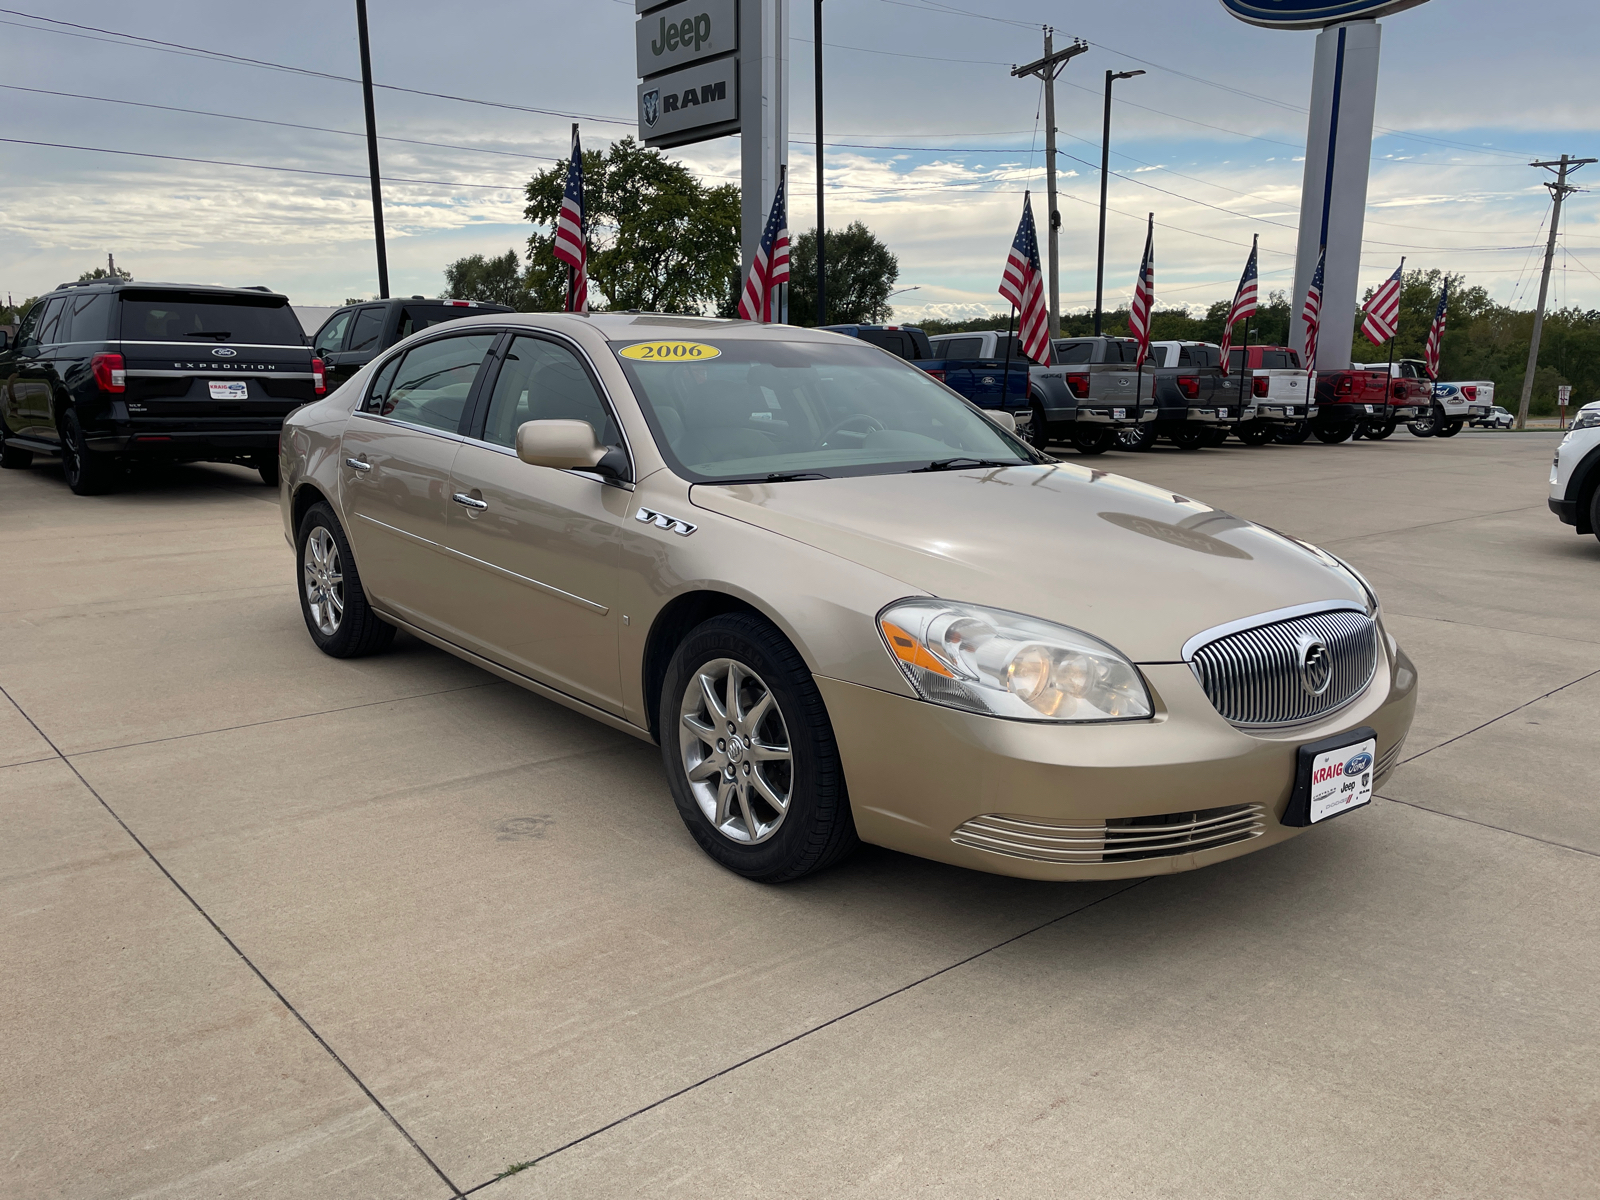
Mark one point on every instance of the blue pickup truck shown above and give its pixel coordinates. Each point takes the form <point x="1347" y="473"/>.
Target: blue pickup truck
<point x="973" y="364"/>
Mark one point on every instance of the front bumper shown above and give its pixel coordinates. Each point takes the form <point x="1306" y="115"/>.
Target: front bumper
<point x="918" y="772"/>
<point x="1566" y="510"/>
<point x="1272" y="410"/>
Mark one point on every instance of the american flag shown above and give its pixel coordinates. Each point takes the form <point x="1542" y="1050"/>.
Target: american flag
<point x="1244" y="300"/>
<point x="771" y="266"/>
<point x="570" y="246"/>
<point x="1311" y="313"/>
<point x="1430" y="352"/>
<point x="1023" y="285"/>
<point x="1144" y="293"/>
<point x="1383" y="309"/>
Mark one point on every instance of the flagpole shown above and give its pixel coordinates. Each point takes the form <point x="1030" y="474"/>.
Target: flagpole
<point x="1244" y="366"/>
<point x="1005" y="385"/>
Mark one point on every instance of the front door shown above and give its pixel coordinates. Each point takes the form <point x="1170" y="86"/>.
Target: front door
<point x="394" y="472"/>
<point x="542" y="545"/>
<point x="33" y="385"/>
<point x="361" y="345"/>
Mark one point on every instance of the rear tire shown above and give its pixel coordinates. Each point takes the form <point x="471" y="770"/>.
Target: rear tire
<point x="13" y="458"/>
<point x="338" y="617"/>
<point x="1190" y="439"/>
<point x="1332" y="435"/>
<point x="1295" y="434"/>
<point x="1449" y="429"/>
<point x="1137" y="438"/>
<point x="1038" y="432"/>
<point x="1594" y="513"/>
<point x="1426" y="426"/>
<point x="724" y="791"/>
<point x="87" y="473"/>
<point x="1092" y="441"/>
<point x="1378" y="432"/>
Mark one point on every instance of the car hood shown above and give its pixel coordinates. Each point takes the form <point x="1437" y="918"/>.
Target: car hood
<point x="1132" y="564"/>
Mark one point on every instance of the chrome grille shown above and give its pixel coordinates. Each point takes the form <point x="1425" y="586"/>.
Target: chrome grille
<point x="1120" y="839"/>
<point x="1254" y="677"/>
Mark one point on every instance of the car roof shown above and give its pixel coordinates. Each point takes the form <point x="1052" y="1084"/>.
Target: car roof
<point x="642" y="326"/>
<point x="140" y="285"/>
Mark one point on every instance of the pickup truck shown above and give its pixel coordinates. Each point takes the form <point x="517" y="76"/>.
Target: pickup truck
<point x="1090" y="395"/>
<point x="1366" y="400"/>
<point x="354" y="336"/>
<point x="1280" y="401"/>
<point x="974" y="364"/>
<point x="1195" y="406"/>
<point x="1454" y="404"/>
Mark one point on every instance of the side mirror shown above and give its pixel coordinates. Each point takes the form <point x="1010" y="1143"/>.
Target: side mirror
<point x="564" y="445"/>
<point x="1002" y="418"/>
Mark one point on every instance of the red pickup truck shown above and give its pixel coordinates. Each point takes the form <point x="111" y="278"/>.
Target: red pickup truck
<point x="1356" y="402"/>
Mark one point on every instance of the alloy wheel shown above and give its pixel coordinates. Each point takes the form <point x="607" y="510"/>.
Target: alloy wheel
<point x="324" y="581"/>
<point x="735" y="750"/>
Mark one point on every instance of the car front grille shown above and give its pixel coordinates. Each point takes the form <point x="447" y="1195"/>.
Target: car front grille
<point x="1258" y="677"/>
<point x="1120" y="839"/>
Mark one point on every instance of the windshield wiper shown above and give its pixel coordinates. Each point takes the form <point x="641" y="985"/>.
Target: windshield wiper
<point x="957" y="464"/>
<point x="212" y="333"/>
<point x="779" y="477"/>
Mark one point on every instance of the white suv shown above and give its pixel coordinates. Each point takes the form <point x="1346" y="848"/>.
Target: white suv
<point x="1575" y="474"/>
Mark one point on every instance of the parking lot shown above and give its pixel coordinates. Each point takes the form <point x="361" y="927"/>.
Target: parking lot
<point x="283" y="925"/>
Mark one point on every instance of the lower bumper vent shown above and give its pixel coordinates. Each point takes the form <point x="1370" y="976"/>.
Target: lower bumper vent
<point x="1120" y="839"/>
<point x="1388" y="760"/>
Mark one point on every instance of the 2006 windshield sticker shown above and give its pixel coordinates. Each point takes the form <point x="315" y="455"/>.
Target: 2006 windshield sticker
<point x="670" y="351"/>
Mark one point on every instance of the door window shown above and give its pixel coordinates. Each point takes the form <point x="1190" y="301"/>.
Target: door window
<point x="544" y="381"/>
<point x="369" y="328"/>
<point x="51" y="321"/>
<point x="431" y="385"/>
<point x="30" y="324"/>
<point x="86" y="318"/>
<point x="330" y="338"/>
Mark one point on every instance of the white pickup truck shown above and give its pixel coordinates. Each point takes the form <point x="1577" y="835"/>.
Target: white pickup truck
<point x="1454" y="404"/>
<point x="1280" y="398"/>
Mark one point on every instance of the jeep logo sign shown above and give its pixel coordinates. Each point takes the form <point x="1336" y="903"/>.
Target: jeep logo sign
<point x="682" y="33"/>
<point x="1312" y="14"/>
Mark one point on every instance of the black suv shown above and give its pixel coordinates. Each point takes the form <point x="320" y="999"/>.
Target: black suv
<point x="354" y="336"/>
<point x="109" y="371"/>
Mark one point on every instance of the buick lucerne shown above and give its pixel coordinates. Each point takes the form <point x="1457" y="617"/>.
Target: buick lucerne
<point x="847" y="604"/>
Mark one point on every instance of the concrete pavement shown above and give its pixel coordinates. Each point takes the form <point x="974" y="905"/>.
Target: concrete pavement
<point x="282" y="925"/>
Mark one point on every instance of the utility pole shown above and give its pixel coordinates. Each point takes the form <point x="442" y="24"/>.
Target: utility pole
<point x="822" y="277"/>
<point x="372" y="148"/>
<point x="1105" y="170"/>
<point x="1558" y="191"/>
<point x="1047" y="68"/>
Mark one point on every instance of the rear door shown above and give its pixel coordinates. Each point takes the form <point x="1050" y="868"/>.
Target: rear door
<point x="960" y="355"/>
<point x="394" y="474"/>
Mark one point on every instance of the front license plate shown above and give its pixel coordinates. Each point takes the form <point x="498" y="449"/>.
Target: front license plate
<point x="1118" y="414"/>
<point x="229" y="389"/>
<point x="1333" y="776"/>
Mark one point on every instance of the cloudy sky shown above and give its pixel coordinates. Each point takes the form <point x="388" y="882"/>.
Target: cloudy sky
<point x="930" y="141"/>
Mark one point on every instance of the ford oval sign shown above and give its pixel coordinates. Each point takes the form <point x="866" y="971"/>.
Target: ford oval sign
<point x="224" y="352"/>
<point x="1312" y="14"/>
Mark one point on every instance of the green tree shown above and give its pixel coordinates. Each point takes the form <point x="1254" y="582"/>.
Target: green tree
<point x="500" y="280"/>
<point x="861" y="272"/>
<point x="659" y="239"/>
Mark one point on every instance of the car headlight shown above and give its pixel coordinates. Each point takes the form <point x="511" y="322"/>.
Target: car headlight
<point x="987" y="660"/>
<point x="1586" y="419"/>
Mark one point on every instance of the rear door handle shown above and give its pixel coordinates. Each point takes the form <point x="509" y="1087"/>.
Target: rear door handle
<point x="357" y="464"/>
<point x="467" y="501"/>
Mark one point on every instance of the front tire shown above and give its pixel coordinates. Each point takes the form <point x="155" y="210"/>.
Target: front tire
<point x="750" y="754"/>
<point x="87" y="473"/>
<point x="1449" y="429"/>
<point x="338" y="617"/>
<point x="1255" y="434"/>
<point x="1189" y="438"/>
<point x="1377" y="433"/>
<point x="1332" y="435"/>
<point x="1294" y="435"/>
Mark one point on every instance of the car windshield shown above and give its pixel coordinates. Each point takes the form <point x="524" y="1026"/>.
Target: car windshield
<point x="752" y="409"/>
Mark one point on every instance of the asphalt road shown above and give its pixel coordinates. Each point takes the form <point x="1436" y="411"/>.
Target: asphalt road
<point x="284" y="926"/>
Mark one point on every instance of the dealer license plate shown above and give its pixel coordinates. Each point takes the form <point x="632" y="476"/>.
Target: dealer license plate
<point x="1341" y="779"/>
<point x="1118" y="414"/>
<point x="229" y="389"/>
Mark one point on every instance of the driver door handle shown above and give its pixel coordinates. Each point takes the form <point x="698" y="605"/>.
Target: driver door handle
<point x="467" y="501"/>
<point x="357" y="464"/>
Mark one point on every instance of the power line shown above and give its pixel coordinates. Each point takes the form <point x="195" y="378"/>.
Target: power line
<point x="217" y="162"/>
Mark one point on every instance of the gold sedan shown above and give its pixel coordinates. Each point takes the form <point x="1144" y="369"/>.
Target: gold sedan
<point x="848" y="605"/>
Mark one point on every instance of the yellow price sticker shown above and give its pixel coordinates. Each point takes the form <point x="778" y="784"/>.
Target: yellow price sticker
<point x="670" y="351"/>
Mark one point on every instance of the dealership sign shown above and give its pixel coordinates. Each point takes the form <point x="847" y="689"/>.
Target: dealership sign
<point x="1312" y="14"/>
<point x="687" y="53"/>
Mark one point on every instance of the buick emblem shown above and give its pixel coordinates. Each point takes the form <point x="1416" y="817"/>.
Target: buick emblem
<point x="651" y="104"/>
<point x="1316" y="667"/>
<point x="224" y="352"/>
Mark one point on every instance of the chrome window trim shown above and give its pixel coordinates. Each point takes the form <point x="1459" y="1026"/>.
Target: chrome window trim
<point x="140" y="373"/>
<point x="213" y="345"/>
<point x="510" y="453"/>
<point x="382" y="420"/>
<point x="1206" y="636"/>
